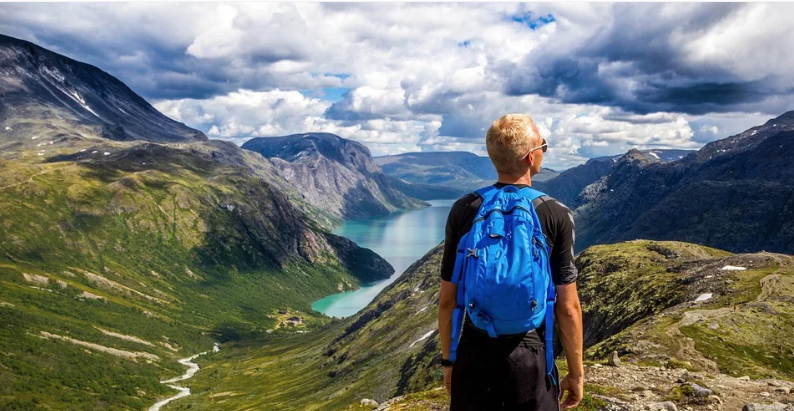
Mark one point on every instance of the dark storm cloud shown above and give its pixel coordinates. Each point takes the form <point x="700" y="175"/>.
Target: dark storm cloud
<point x="639" y="64"/>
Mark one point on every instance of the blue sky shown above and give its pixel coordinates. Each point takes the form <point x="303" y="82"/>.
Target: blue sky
<point x="597" y="78"/>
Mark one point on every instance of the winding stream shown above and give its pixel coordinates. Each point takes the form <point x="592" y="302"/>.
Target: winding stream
<point x="183" y="392"/>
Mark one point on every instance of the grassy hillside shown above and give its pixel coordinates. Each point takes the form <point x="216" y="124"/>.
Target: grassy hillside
<point x="632" y="294"/>
<point x="113" y="266"/>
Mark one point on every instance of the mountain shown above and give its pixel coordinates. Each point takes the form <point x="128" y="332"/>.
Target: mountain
<point x="120" y="253"/>
<point x="667" y="304"/>
<point x="736" y="194"/>
<point x="567" y="186"/>
<point x="46" y="94"/>
<point x="663" y="155"/>
<point x="334" y="174"/>
<point x="460" y="170"/>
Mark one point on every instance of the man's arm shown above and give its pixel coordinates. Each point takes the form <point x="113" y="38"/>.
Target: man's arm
<point x="446" y="305"/>
<point x="569" y="318"/>
<point x="567" y="309"/>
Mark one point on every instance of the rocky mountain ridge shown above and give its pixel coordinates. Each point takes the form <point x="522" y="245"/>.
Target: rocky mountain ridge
<point x="52" y="96"/>
<point x="333" y="174"/>
<point x="734" y="194"/>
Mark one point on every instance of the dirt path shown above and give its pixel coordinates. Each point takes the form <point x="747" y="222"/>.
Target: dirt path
<point x="30" y="179"/>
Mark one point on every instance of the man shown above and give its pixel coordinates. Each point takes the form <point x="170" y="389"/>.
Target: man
<point x="509" y="372"/>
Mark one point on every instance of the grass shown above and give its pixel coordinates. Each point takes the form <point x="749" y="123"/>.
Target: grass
<point x="183" y="252"/>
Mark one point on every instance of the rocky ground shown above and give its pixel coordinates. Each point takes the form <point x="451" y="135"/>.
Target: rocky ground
<point x="629" y="387"/>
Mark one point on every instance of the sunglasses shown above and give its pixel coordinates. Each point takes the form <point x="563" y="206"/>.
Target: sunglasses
<point x="543" y="148"/>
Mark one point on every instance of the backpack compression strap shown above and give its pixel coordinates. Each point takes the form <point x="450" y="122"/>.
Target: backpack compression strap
<point x="551" y="297"/>
<point x="457" y="314"/>
<point x="485" y="193"/>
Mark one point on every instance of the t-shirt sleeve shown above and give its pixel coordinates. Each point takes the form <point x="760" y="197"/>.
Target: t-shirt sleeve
<point x="563" y="267"/>
<point x="452" y="236"/>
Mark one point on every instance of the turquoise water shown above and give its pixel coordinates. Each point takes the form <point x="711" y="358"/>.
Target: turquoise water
<point x="401" y="238"/>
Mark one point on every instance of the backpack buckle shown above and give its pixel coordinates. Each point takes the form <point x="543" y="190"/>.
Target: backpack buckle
<point x="471" y="252"/>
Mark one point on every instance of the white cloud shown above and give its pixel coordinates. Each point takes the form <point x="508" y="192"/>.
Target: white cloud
<point x="413" y="70"/>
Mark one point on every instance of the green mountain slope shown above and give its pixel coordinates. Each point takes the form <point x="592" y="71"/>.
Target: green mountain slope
<point x="631" y="292"/>
<point x="163" y="244"/>
<point x="122" y="252"/>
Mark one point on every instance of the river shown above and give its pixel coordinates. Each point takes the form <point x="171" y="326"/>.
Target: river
<point x="192" y="369"/>
<point x="400" y="238"/>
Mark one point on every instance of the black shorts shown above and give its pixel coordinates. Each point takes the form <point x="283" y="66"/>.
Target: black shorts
<point x="506" y="373"/>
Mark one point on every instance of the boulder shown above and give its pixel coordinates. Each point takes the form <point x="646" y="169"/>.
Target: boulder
<point x="701" y="392"/>
<point x="662" y="406"/>
<point x="768" y="407"/>
<point x="369" y="402"/>
<point x="614" y="359"/>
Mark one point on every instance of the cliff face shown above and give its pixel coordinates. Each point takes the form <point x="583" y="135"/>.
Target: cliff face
<point x="333" y="174"/>
<point x="736" y="194"/>
<point x="49" y="95"/>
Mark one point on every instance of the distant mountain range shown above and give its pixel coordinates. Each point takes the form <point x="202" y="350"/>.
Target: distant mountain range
<point x="458" y="170"/>
<point x="334" y="174"/>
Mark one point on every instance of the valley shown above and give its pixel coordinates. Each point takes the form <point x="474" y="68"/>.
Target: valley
<point x="131" y="243"/>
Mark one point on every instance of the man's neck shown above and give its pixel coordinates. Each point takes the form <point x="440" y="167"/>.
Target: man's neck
<point x="524" y="179"/>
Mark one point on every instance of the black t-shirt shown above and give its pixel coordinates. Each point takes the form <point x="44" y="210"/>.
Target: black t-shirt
<point x="557" y="223"/>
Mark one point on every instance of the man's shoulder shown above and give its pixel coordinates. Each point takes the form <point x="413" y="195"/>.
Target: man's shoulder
<point x="547" y="203"/>
<point x="465" y="201"/>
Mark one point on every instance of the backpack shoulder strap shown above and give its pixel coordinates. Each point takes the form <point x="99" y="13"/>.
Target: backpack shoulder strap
<point x="531" y="194"/>
<point x="486" y="193"/>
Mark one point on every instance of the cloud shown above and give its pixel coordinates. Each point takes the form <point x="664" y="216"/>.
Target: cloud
<point x="688" y="58"/>
<point x="598" y="78"/>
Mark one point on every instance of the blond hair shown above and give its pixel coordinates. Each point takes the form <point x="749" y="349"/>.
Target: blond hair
<point x="508" y="141"/>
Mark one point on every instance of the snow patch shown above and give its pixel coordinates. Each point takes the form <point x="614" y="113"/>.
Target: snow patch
<point x="732" y="268"/>
<point x="9" y="129"/>
<point x="655" y="155"/>
<point x="424" y="337"/>
<point x="94" y="152"/>
<point x="106" y="153"/>
<point x="34" y="137"/>
<point x="709" y="276"/>
<point x="83" y="150"/>
<point x="703" y="297"/>
<point x="754" y="132"/>
<point x="79" y="99"/>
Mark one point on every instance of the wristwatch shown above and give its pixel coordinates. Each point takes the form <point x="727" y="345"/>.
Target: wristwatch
<point x="447" y="363"/>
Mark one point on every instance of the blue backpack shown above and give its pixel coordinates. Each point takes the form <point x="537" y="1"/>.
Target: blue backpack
<point x="502" y="269"/>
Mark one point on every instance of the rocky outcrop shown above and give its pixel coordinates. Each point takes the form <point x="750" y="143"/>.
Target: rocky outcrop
<point x="333" y="174"/>
<point x="736" y="194"/>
